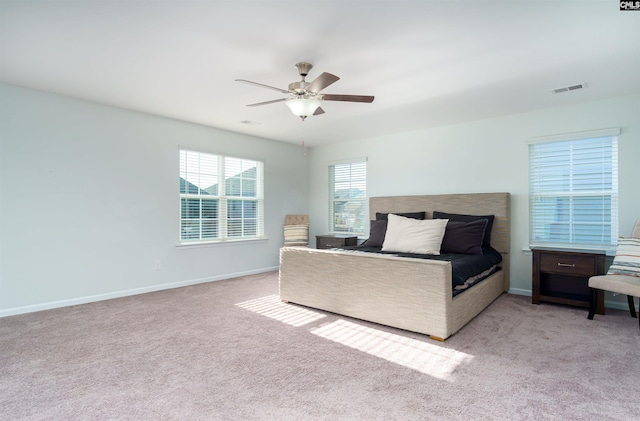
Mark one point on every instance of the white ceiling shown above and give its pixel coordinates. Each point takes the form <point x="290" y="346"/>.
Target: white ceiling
<point x="428" y="63"/>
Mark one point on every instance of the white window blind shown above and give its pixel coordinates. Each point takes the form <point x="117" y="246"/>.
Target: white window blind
<point x="348" y="208"/>
<point x="221" y="198"/>
<point x="573" y="191"/>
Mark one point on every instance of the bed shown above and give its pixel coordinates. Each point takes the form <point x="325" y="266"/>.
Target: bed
<point x="392" y="290"/>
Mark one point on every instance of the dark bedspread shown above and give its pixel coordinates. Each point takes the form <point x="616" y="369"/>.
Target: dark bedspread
<point x="465" y="268"/>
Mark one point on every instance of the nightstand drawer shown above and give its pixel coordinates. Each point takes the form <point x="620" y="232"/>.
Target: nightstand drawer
<point x="335" y="241"/>
<point x="331" y="242"/>
<point x="568" y="263"/>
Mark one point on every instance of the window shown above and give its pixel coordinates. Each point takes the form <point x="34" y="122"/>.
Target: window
<point x="221" y="198"/>
<point x="573" y="190"/>
<point x="348" y="210"/>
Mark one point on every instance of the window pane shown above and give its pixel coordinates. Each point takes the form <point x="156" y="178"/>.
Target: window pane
<point x="233" y="187"/>
<point x="203" y="200"/>
<point x="348" y="197"/>
<point x="234" y="228"/>
<point x="209" y="228"/>
<point x="187" y="187"/>
<point x="249" y="169"/>
<point x="234" y="209"/>
<point x="249" y="188"/>
<point x="591" y="220"/>
<point x="190" y="230"/>
<point x="250" y="209"/>
<point x="198" y="173"/>
<point x="240" y="177"/>
<point x="573" y="191"/>
<point x="190" y="208"/>
<point x="234" y="218"/>
<point x="350" y="216"/>
<point x="250" y="228"/>
<point x="242" y="218"/>
<point x="552" y="219"/>
<point x="191" y="181"/>
<point x="212" y="188"/>
<point x="209" y="209"/>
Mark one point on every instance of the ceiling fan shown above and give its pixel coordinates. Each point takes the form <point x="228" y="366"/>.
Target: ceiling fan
<point x="304" y="97"/>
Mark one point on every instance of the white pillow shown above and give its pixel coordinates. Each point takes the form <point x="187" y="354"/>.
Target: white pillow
<point x="406" y="235"/>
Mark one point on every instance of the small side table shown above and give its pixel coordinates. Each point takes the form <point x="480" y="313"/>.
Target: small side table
<point x="562" y="277"/>
<point x="330" y="241"/>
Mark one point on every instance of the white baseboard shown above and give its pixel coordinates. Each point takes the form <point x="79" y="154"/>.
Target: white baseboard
<point x="118" y="294"/>
<point x="100" y="297"/>
<point x="520" y="291"/>
<point x="620" y="305"/>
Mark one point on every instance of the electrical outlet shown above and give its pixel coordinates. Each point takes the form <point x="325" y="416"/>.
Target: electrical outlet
<point x="158" y="265"/>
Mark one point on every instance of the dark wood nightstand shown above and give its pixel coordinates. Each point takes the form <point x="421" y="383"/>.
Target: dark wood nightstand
<point x="562" y="277"/>
<point x="330" y="241"/>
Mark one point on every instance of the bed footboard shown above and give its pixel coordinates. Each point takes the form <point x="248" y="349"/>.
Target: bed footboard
<point x="413" y="294"/>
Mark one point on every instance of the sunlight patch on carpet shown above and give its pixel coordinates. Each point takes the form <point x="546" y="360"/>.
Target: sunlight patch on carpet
<point x="424" y="357"/>
<point x="271" y="306"/>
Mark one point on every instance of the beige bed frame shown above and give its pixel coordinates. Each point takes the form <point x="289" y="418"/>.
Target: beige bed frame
<point x="411" y="294"/>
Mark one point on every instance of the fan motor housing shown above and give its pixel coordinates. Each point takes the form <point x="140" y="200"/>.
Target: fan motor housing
<point x="298" y="87"/>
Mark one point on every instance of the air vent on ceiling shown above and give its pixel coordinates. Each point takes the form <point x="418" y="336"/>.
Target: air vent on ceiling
<point x="569" y="88"/>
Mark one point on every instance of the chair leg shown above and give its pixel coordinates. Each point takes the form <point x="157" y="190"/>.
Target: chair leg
<point x="632" y="307"/>
<point x="634" y="310"/>
<point x="593" y="302"/>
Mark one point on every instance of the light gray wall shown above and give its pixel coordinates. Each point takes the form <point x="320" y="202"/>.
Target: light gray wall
<point x="483" y="156"/>
<point x="88" y="193"/>
<point x="89" y="202"/>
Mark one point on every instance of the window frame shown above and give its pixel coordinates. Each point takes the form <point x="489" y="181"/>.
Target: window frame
<point x="223" y="199"/>
<point x="363" y="202"/>
<point x="572" y="192"/>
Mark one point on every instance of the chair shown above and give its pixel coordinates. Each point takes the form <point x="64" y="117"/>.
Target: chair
<point x="623" y="276"/>
<point x="296" y="230"/>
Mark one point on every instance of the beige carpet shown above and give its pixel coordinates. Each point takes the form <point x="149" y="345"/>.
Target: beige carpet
<point x="230" y="350"/>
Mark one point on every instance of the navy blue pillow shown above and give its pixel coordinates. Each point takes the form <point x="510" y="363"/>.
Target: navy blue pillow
<point x="380" y="216"/>
<point x="463" y="237"/>
<point x="377" y="233"/>
<point x="469" y="218"/>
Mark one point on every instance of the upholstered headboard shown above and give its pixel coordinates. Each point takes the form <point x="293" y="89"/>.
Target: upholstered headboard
<point x="497" y="204"/>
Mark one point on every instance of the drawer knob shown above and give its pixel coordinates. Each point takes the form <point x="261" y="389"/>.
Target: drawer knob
<point x="567" y="265"/>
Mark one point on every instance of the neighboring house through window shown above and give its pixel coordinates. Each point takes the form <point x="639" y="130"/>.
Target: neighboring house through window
<point x="348" y="208"/>
<point x="573" y="190"/>
<point x="221" y="198"/>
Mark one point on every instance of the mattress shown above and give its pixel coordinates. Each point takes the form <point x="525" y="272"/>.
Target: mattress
<point x="466" y="269"/>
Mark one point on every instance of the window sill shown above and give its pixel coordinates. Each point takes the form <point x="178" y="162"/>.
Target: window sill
<point x="608" y="250"/>
<point x="188" y="245"/>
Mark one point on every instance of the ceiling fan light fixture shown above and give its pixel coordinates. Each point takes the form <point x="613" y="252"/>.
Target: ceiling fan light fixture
<point x="303" y="107"/>
<point x="304" y="98"/>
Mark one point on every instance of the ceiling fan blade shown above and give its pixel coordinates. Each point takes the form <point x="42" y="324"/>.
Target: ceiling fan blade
<point x="350" y="98"/>
<point x="318" y="111"/>
<point x="262" y="85"/>
<point x="267" y="102"/>
<point x="322" y="82"/>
